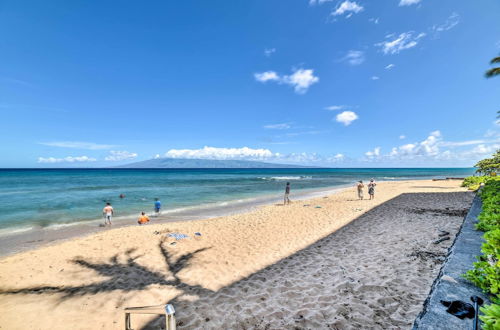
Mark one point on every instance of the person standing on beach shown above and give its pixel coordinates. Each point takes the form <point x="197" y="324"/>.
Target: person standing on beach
<point x="287" y="193"/>
<point x="360" y="189"/>
<point x="371" y="189"/>
<point x="157" y="207"/>
<point x="108" y="212"/>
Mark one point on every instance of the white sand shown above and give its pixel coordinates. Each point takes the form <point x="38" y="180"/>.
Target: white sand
<point x="276" y="267"/>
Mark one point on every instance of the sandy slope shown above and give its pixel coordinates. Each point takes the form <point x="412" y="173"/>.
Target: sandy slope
<point x="263" y="269"/>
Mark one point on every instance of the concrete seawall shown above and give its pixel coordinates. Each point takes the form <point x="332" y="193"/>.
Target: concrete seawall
<point x="450" y="285"/>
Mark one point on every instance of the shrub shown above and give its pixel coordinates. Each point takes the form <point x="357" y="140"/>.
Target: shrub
<point x="489" y="219"/>
<point x="486" y="272"/>
<point x="489" y="165"/>
<point x="474" y="182"/>
<point x="490" y="317"/>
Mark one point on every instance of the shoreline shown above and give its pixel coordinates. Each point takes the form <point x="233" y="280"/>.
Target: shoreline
<point x="21" y="240"/>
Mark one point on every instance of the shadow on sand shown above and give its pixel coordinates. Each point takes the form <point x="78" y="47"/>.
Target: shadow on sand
<point x="123" y="276"/>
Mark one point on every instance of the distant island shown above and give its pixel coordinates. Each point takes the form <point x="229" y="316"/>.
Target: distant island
<point x="205" y="163"/>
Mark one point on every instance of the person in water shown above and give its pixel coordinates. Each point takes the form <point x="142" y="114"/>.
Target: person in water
<point x="287" y="193"/>
<point x="143" y="219"/>
<point x="108" y="213"/>
<point x="371" y="189"/>
<point x="157" y="207"/>
<point x="360" y="187"/>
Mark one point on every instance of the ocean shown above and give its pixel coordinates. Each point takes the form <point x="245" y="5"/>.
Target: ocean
<point x="54" y="198"/>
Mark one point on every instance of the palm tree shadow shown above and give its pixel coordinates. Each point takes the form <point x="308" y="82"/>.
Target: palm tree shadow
<point x="126" y="276"/>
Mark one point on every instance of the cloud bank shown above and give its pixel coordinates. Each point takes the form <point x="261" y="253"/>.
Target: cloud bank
<point x="78" y="145"/>
<point x="69" y="159"/>
<point x="244" y="153"/>
<point x="115" y="156"/>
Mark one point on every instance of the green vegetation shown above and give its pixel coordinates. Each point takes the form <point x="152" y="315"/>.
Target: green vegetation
<point x="474" y="182"/>
<point x="489" y="166"/>
<point x="489" y="219"/>
<point x="486" y="272"/>
<point x="490" y="317"/>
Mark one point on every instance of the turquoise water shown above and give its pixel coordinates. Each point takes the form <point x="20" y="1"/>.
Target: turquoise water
<point x="40" y="198"/>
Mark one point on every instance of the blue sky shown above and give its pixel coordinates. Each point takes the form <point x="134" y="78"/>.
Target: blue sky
<point x="333" y="83"/>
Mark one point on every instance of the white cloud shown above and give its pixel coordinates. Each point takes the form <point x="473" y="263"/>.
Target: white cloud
<point x="402" y="137"/>
<point x="354" y="57"/>
<point x="390" y="66"/>
<point x="373" y="154"/>
<point x="69" y="159"/>
<point x="492" y="133"/>
<point x="78" y="145"/>
<point x="450" y="23"/>
<point x="428" y="147"/>
<point x="116" y="156"/>
<point x="408" y="2"/>
<point x="269" y="51"/>
<point x="318" y="2"/>
<point x="461" y="143"/>
<point x="485" y="149"/>
<point x="375" y="78"/>
<point x="300" y="79"/>
<point x="404" y="41"/>
<point x="335" y="107"/>
<point x="346" y="117"/>
<point x="221" y="153"/>
<point x="347" y="7"/>
<point x="255" y="155"/>
<point x="293" y="134"/>
<point x="278" y="126"/>
<point x="374" y="20"/>
<point x="434" y="150"/>
<point x="266" y="76"/>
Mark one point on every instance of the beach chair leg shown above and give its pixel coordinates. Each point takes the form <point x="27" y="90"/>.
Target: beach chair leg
<point x="170" y="323"/>
<point x="127" y="322"/>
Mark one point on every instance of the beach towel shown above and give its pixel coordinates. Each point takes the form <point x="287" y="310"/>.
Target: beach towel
<point x="177" y="236"/>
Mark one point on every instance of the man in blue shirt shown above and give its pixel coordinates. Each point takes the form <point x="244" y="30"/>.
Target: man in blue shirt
<point x="157" y="206"/>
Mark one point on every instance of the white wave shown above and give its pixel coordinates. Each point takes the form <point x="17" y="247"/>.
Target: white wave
<point x="286" y="178"/>
<point x="56" y="226"/>
<point x="14" y="230"/>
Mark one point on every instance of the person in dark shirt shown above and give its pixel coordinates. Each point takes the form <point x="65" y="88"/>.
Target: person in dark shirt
<point x="371" y="189"/>
<point x="287" y="193"/>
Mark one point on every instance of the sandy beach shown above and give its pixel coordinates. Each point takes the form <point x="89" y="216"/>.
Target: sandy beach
<point x="326" y="263"/>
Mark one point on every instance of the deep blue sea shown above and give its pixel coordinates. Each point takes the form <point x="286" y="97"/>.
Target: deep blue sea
<point x="39" y="198"/>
